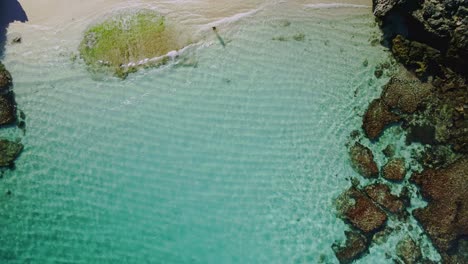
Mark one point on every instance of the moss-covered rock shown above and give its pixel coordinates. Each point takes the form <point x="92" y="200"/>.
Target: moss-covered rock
<point x="9" y="151"/>
<point x="125" y="41"/>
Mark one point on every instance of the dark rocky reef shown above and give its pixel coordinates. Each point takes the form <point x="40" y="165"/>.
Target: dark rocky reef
<point x="429" y="100"/>
<point x="429" y="38"/>
<point x="381" y="194"/>
<point x="394" y="169"/>
<point x="362" y="161"/>
<point x="9" y="152"/>
<point x="357" y="208"/>
<point x="5" y="79"/>
<point x="356" y="245"/>
<point x="445" y="219"/>
<point x="409" y="251"/>
<point x="377" y="117"/>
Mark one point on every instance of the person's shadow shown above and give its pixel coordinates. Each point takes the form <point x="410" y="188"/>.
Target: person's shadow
<point x="10" y="11"/>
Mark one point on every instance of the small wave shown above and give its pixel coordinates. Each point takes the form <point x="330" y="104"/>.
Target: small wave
<point x="231" y="19"/>
<point x="334" y="5"/>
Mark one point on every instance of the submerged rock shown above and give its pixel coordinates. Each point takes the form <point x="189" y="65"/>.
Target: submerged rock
<point x="5" y="79"/>
<point x="405" y="94"/>
<point x="376" y="118"/>
<point x="445" y="219"/>
<point x="408" y="251"/>
<point x="355" y="246"/>
<point x="362" y="160"/>
<point x="394" y="169"/>
<point x="381" y="194"/>
<point x="7" y="109"/>
<point x="354" y="206"/>
<point x="9" y="151"/>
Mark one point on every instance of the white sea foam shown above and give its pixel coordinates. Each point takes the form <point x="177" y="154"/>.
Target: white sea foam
<point x="334" y="5"/>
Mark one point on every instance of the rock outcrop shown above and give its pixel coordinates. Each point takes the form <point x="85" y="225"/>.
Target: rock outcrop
<point x="9" y="151"/>
<point x="360" y="211"/>
<point x="405" y="94"/>
<point x="355" y="246"/>
<point x="381" y="194"/>
<point x="408" y="251"/>
<point x="362" y="161"/>
<point x="376" y="118"/>
<point x="394" y="169"/>
<point x="7" y="109"/>
<point x="445" y="219"/>
<point x="5" y="79"/>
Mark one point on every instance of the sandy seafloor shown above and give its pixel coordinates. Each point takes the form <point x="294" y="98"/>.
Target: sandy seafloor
<point x="227" y="155"/>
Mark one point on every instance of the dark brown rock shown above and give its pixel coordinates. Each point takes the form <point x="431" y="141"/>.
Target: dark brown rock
<point x="355" y="207"/>
<point x="356" y="245"/>
<point x="445" y="219"/>
<point x="394" y="170"/>
<point x="5" y="79"/>
<point x="408" y="251"/>
<point x="7" y="109"/>
<point x="381" y="194"/>
<point x="376" y="118"/>
<point x="9" y="151"/>
<point x="419" y="57"/>
<point x="405" y="93"/>
<point x="362" y="160"/>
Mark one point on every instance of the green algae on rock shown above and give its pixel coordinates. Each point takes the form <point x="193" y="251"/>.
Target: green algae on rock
<point x="126" y="41"/>
<point x="9" y="151"/>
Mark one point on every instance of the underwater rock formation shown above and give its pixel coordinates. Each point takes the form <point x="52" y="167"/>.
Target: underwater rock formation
<point x="405" y="94"/>
<point x="9" y="151"/>
<point x="381" y="194"/>
<point x="7" y="109"/>
<point x="430" y="39"/>
<point x="376" y="118"/>
<point x="445" y="219"/>
<point x="5" y="79"/>
<point x="127" y="41"/>
<point x="394" y="169"/>
<point x="355" y="207"/>
<point x="408" y="251"/>
<point x="355" y="246"/>
<point x="362" y="161"/>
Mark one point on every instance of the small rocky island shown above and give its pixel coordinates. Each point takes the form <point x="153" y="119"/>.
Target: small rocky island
<point x="127" y="41"/>
<point x="428" y="100"/>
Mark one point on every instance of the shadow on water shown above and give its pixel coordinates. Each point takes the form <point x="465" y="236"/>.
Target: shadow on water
<point x="10" y="11"/>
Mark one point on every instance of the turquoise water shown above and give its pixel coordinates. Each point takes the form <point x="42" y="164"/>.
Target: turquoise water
<point x="236" y="160"/>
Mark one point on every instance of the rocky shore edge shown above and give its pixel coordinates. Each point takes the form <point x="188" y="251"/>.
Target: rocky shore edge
<point x="9" y="116"/>
<point x="428" y="101"/>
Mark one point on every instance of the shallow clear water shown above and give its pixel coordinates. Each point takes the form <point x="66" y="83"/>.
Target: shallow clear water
<point x="236" y="160"/>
